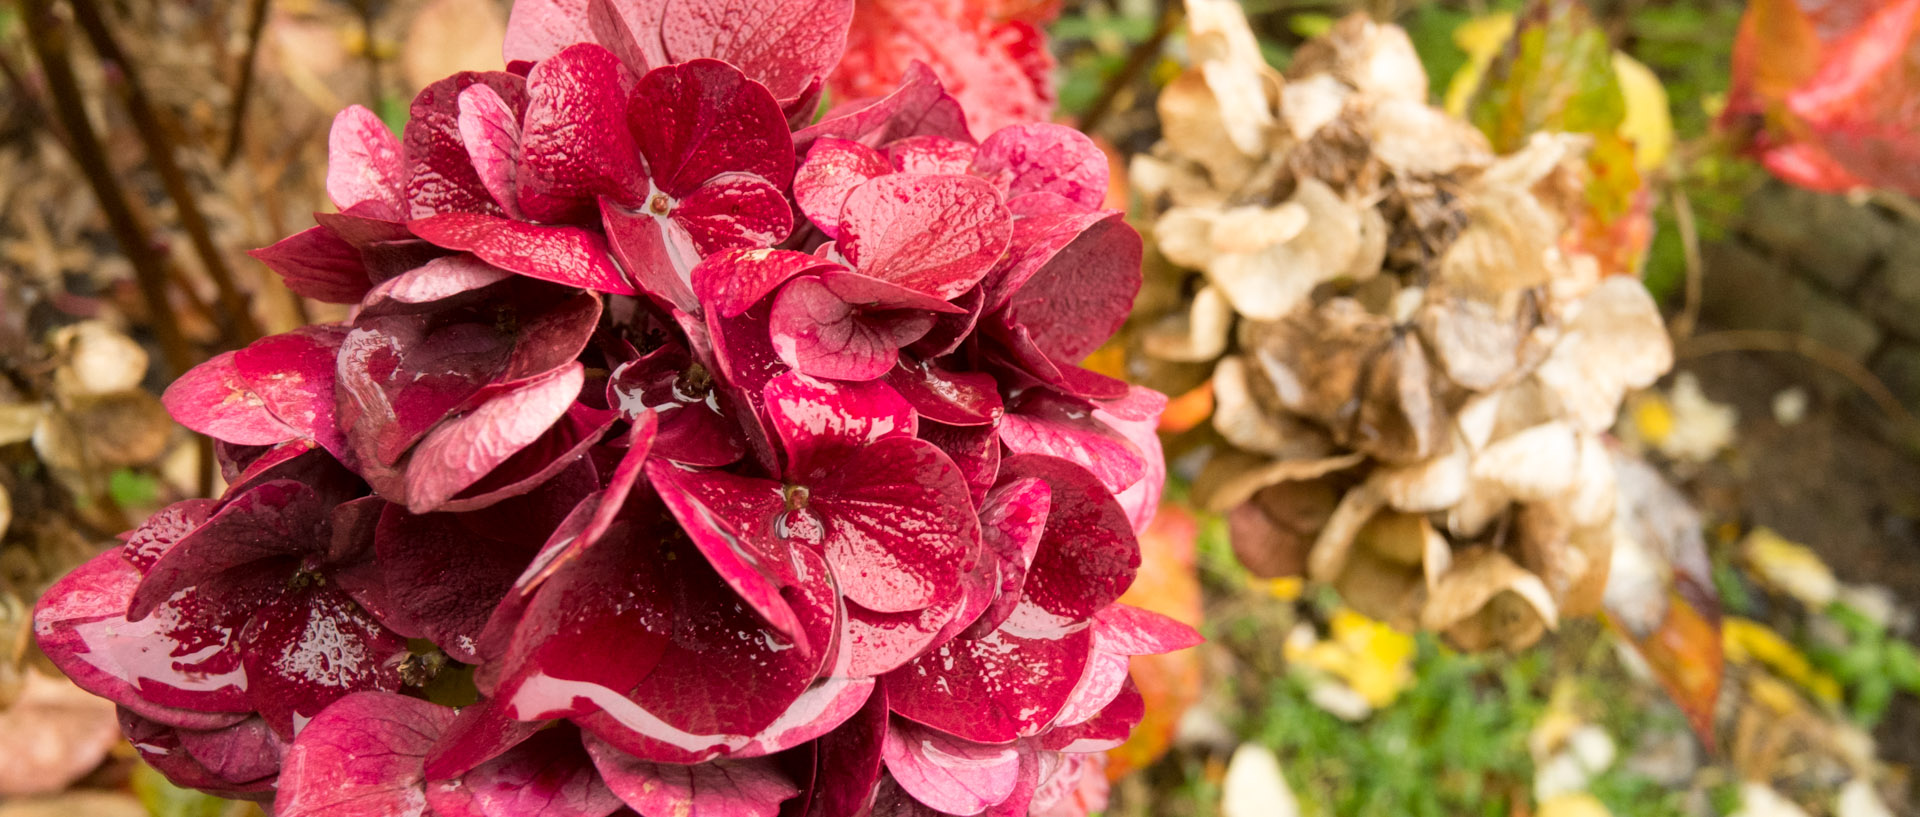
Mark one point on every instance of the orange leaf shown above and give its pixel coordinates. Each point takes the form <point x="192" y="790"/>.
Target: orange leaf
<point x="1686" y="654"/>
<point x="1188" y="410"/>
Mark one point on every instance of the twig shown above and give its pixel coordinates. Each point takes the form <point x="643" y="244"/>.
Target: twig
<point x="243" y="87"/>
<point x="30" y="98"/>
<point x="1689" y="318"/>
<point x="48" y="38"/>
<point x="153" y="134"/>
<point x="1762" y="340"/>
<point x="1137" y="61"/>
<point x="370" y="52"/>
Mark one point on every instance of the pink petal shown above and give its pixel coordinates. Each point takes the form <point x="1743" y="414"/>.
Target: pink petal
<point x="563" y="255"/>
<point x="364" y="164"/>
<point x="538" y="29"/>
<point x="834" y="167"/>
<point x="293" y="375"/>
<point x="362" y="758"/>
<point x="1106" y="673"/>
<point x="726" y="516"/>
<point x="975" y="449"/>
<point x="1044" y="158"/>
<point x="400" y="376"/>
<point x="928" y="153"/>
<point x="701" y="119"/>
<point x="947" y="773"/>
<point x="695" y="417"/>
<point x="1013" y="518"/>
<point x="819" y="333"/>
<point x="1123" y="629"/>
<point x="1106" y="729"/>
<point x="918" y="105"/>
<point x="936" y="234"/>
<point x="213" y="399"/>
<point x="823" y="708"/>
<point x="1044" y="423"/>
<point x="992" y="689"/>
<point x="458" y="453"/>
<point x="491" y="132"/>
<point x="549" y="775"/>
<point x="440" y="174"/>
<point x="733" y="211"/>
<point x="876" y="643"/>
<point x="723" y="788"/>
<point x="426" y="286"/>
<point x="1071" y="281"/>
<point x="954" y="398"/>
<point x="652" y="259"/>
<point x="847" y="762"/>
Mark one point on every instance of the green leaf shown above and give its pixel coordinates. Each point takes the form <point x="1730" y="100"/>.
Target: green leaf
<point x="163" y="799"/>
<point x="1556" y="74"/>
<point x="131" y="489"/>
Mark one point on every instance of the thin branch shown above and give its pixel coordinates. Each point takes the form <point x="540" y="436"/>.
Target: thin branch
<point x="30" y="98"/>
<point x="1137" y="62"/>
<point x="153" y="133"/>
<point x="1761" y="340"/>
<point x="48" y="36"/>
<point x="1683" y="217"/>
<point x="243" y="88"/>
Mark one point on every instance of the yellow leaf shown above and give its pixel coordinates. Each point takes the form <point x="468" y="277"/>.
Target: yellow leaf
<point x="1791" y="568"/>
<point x="1648" y="124"/>
<point x="1481" y="38"/>
<point x="1574" y="804"/>
<point x="1746" y="640"/>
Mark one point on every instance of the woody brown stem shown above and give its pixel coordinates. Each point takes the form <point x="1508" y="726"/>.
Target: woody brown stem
<point x="243" y="88"/>
<point x="153" y="133"/>
<point x="47" y="36"/>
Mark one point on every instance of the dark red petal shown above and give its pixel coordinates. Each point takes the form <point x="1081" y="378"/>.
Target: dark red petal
<point x="441" y="176"/>
<point x="213" y="399"/>
<point x="458" y="453"/>
<point x="847" y="761"/>
<point x="697" y="120"/>
<point x="1013" y="518"/>
<point x="954" y="398"/>
<point x="976" y="449"/>
<point x="918" y="105"/>
<point x="548" y="775"/>
<point x="730" y="518"/>
<point x="1071" y="281"/>
<point x="309" y="649"/>
<point x="729" y="283"/>
<point x="449" y="576"/>
<point x="783" y="45"/>
<point x="563" y="255"/>
<point x="897" y="525"/>
<point x="1088" y="555"/>
<point x="273" y="520"/>
<point x="993" y="689"/>
<point x="316" y="263"/>
<point x="651" y="258"/>
<point x="733" y="211"/>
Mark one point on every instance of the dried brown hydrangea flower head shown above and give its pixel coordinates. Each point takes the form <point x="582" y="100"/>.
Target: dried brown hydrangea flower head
<point x="1413" y="361"/>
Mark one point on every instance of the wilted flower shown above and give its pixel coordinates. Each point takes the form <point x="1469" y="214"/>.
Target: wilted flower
<point x="627" y="486"/>
<point x="1411" y="351"/>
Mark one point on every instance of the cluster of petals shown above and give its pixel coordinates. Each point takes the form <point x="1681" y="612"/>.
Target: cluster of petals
<point x="681" y="455"/>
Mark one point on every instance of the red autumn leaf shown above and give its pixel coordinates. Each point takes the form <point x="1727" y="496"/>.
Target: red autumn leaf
<point x="990" y="55"/>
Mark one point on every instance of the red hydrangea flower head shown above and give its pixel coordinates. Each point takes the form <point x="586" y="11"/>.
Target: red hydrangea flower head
<point x="671" y="460"/>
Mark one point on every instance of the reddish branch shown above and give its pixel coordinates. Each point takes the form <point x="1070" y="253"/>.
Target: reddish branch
<point x="243" y="88"/>
<point x="153" y="135"/>
<point x="48" y="37"/>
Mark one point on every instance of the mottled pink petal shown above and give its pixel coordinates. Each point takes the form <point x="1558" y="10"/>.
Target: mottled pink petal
<point x="834" y="167"/>
<point x="491" y="132"/>
<point x="362" y="757"/>
<point x="1044" y="158"/>
<point x="563" y="255"/>
<point x="725" y="516"/>
<point x="458" y="453"/>
<point x="928" y="153"/>
<point x="876" y="643"/>
<point x="732" y="211"/>
<point x="364" y="164"/>
<point x="936" y="234"/>
<point x="975" y="449"/>
<point x="992" y="689"/>
<point x="947" y="773"/>
<point x="1105" y="729"/>
<point x="638" y="240"/>
<point x="1106" y="673"/>
<point x="891" y="526"/>
<point x="783" y="45"/>
<point x="943" y="396"/>
<point x="243" y="752"/>
<point x="722" y="788"/>
<point x="1041" y="422"/>
<point x="697" y="120"/>
<point x="823" y="708"/>
<point x="399" y="376"/>
<point x="1013" y="518"/>
<point x="538" y="29"/>
<point x="548" y="775"/>
<point x="315" y="263"/>
<point x="441" y="177"/>
<point x="696" y="420"/>
<point x="820" y="330"/>
<point x="553" y="456"/>
<point x="431" y="285"/>
<point x="574" y="142"/>
<point x="275" y="519"/>
<point x="293" y="375"/>
<point x="310" y="648"/>
<point x="823" y="424"/>
<point x="162" y="747"/>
